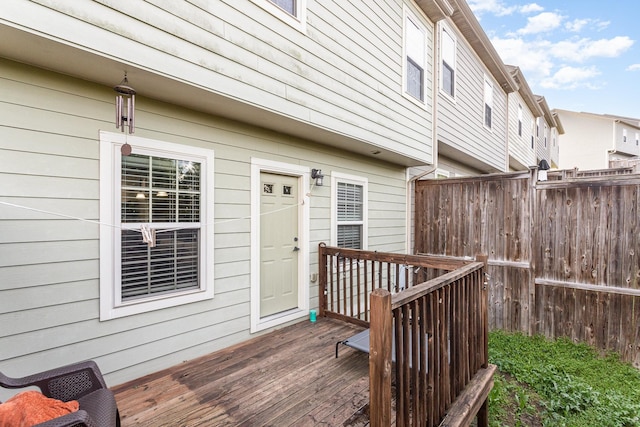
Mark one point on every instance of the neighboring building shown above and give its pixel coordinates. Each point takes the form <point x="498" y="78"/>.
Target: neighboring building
<point x="523" y="113"/>
<point x="237" y="103"/>
<point x="592" y="141"/>
<point x="547" y="129"/>
<point x="472" y="89"/>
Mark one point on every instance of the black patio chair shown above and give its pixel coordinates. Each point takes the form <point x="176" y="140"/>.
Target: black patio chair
<point x="80" y="381"/>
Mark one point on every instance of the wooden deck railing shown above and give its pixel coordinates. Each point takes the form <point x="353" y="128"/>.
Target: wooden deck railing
<point x="348" y="276"/>
<point x="437" y="330"/>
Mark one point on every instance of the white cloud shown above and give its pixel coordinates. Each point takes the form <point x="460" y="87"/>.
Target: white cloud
<point x="495" y="7"/>
<point x="581" y="50"/>
<point x="531" y="8"/>
<point x="571" y="78"/>
<point x="633" y="67"/>
<point x="532" y="57"/>
<point x="541" y="23"/>
<point x="576" y="25"/>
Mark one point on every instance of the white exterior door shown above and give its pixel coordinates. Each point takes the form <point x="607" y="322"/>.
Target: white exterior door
<point x="279" y="243"/>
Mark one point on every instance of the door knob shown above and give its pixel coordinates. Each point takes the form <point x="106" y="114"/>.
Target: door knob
<point x="296" y="249"/>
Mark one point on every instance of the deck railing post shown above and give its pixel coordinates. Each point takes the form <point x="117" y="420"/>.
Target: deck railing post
<point x="483" y="413"/>
<point x="380" y="359"/>
<point x="322" y="279"/>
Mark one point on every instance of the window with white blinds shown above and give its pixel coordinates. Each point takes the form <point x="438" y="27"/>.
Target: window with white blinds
<point x="164" y="194"/>
<point x="350" y="211"/>
<point x="156" y="205"/>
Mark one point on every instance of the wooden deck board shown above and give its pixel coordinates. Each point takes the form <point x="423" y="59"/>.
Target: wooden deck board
<point x="289" y="377"/>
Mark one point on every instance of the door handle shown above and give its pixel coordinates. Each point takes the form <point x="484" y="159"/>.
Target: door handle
<point x="296" y="249"/>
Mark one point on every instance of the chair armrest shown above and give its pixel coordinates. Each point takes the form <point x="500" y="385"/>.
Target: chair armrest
<point x="65" y="383"/>
<point x="78" y="418"/>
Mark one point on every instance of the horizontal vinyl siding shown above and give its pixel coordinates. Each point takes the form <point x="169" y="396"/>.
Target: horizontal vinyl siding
<point x="343" y="74"/>
<point x="461" y="121"/>
<point x="49" y="265"/>
<point x="520" y="145"/>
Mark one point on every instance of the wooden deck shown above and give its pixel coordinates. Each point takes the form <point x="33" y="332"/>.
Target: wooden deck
<point x="289" y="377"/>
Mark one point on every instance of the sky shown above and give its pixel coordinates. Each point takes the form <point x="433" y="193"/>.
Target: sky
<point x="581" y="55"/>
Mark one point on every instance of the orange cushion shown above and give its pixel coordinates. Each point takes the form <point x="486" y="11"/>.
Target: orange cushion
<point x="32" y="407"/>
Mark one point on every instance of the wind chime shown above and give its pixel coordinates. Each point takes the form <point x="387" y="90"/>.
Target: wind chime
<point x="125" y="110"/>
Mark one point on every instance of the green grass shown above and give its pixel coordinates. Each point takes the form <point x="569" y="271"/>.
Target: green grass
<point x="559" y="383"/>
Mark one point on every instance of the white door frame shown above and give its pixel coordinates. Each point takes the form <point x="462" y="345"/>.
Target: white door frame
<point x="270" y="166"/>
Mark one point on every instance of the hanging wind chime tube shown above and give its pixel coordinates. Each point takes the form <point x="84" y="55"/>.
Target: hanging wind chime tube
<point x="125" y="105"/>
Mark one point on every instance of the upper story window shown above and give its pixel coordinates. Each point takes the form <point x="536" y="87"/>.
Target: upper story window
<point x="624" y="135"/>
<point x="488" y="103"/>
<point x="294" y="12"/>
<point x="637" y="138"/>
<point x="546" y="133"/>
<point x="448" y="61"/>
<point x="519" y="120"/>
<point x="415" y="57"/>
<point x="155" y="251"/>
<point x="532" y="134"/>
<point x="349" y="211"/>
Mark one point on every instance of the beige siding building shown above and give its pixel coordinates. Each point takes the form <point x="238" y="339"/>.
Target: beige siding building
<point x="592" y="141"/>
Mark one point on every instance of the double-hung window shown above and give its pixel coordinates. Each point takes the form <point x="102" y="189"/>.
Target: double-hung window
<point x="519" y="120"/>
<point x="488" y="103"/>
<point x="156" y="209"/>
<point x="415" y="57"/>
<point x="349" y="211"/>
<point x="448" y="61"/>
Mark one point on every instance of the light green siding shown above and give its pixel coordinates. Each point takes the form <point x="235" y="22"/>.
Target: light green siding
<point x="49" y="263"/>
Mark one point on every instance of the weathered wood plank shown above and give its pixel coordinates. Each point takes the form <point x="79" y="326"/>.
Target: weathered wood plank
<point x="289" y="374"/>
<point x="464" y="410"/>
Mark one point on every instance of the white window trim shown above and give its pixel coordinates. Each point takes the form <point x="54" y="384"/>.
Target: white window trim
<point x="351" y="179"/>
<point x="487" y="81"/>
<point x="298" y="22"/>
<point x="110" y="163"/>
<point x="445" y="28"/>
<point x="442" y="173"/>
<point x="407" y="14"/>
<point x="303" y="173"/>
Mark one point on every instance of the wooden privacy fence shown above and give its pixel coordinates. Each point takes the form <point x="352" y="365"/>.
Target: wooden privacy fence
<point x="564" y="255"/>
<point x="438" y="328"/>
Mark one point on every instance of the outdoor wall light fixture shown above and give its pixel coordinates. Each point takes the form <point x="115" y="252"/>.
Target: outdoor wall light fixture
<point x="125" y="105"/>
<point x="317" y="175"/>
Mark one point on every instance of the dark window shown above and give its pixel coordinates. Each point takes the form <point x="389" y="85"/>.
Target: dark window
<point x="415" y="79"/>
<point x="448" y="78"/>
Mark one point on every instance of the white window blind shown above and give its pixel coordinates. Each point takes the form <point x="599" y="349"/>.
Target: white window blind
<point x="350" y="215"/>
<point x="164" y="194"/>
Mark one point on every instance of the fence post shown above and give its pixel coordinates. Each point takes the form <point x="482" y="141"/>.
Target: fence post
<point x="322" y="279"/>
<point x="483" y="413"/>
<point x="380" y="359"/>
